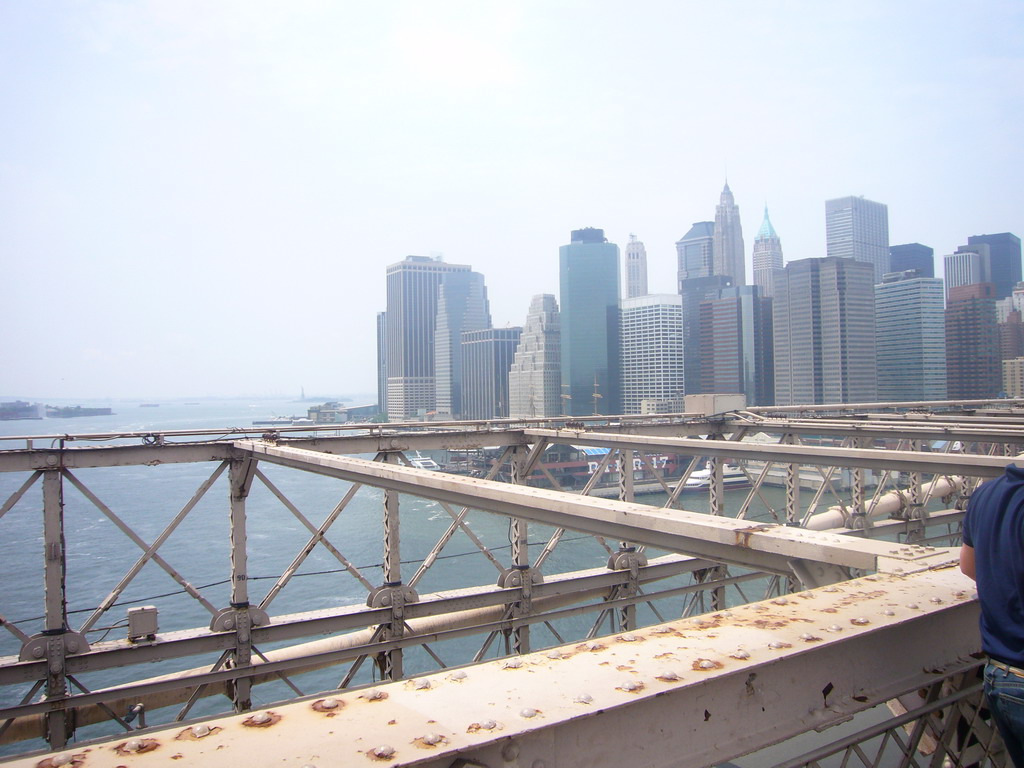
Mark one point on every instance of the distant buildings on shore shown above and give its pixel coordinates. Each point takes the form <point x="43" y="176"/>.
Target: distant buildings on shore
<point x="866" y="322"/>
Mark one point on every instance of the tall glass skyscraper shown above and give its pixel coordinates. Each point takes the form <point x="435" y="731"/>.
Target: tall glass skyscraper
<point x="461" y="306"/>
<point x="856" y="228"/>
<point x="486" y="359"/>
<point x="696" y="252"/>
<point x="412" y="294"/>
<point x="824" y="324"/>
<point x="589" y="299"/>
<point x="910" y="337"/>
<point x="1004" y="260"/>
<point x="912" y="256"/>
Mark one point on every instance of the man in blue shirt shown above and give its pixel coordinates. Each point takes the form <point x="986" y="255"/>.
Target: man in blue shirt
<point x="993" y="555"/>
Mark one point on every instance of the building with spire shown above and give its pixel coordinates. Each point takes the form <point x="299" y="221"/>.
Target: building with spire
<point x="636" y="268"/>
<point x="535" y="378"/>
<point x="856" y="228"/>
<point x="767" y="255"/>
<point x="728" y="240"/>
<point x="589" y="299"/>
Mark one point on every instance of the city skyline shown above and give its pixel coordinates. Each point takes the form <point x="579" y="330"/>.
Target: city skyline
<point x="167" y="167"/>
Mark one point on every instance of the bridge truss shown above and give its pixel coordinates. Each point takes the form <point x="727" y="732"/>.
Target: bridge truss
<point x="823" y="592"/>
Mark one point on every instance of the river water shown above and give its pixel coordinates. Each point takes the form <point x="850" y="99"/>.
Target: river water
<point x="148" y="498"/>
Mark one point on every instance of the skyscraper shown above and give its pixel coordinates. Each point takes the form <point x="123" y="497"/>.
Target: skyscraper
<point x="972" y="343"/>
<point x="382" y="361"/>
<point x="589" y="299"/>
<point x="736" y="344"/>
<point x="486" y="358"/>
<point x="912" y="256"/>
<point x="856" y="228"/>
<point x="461" y="306"/>
<point x="728" y="240"/>
<point x="694" y="290"/>
<point x="535" y="378"/>
<point x="910" y="337"/>
<point x="1004" y="255"/>
<point x="412" y="293"/>
<point x="652" y="350"/>
<point x="695" y="251"/>
<point x="824" y="325"/>
<point x="636" y="268"/>
<point x="969" y="265"/>
<point x="767" y="255"/>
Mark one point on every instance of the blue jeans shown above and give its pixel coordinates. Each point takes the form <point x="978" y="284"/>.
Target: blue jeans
<point x="1004" y="689"/>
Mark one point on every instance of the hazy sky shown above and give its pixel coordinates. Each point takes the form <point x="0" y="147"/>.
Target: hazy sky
<point x="201" y="197"/>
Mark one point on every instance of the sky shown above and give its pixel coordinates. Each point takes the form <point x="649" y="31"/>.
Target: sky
<point x="201" y="197"/>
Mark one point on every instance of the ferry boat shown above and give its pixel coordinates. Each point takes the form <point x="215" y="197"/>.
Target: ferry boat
<point x="420" y="461"/>
<point x="732" y="477"/>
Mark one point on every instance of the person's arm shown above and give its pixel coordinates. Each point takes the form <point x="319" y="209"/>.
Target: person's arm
<point x="967" y="560"/>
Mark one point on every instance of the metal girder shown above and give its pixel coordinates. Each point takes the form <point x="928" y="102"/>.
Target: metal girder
<point x="870" y="458"/>
<point x="685" y="694"/>
<point x="762" y="547"/>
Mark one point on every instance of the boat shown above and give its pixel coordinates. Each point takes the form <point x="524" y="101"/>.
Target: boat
<point x="283" y="421"/>
<point x="424" y="462"/>
<point x="732" y="477"/>
<point x="149" y="405"/>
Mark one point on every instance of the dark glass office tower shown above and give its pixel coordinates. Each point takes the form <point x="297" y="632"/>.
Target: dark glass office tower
<point x="1004" y="260"/>
<point x="589" y="300"/>
<point x="903" y="258"/>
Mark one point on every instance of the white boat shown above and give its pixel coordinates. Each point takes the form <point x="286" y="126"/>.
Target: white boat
<point x="732" y="477"/>
<point x="424" y="462"/>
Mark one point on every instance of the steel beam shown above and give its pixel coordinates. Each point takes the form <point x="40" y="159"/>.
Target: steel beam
<point x="761" y="547"/>
<point x="684" y="694"/>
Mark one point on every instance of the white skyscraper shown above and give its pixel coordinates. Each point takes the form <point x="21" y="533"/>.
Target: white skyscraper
<point x="728" y="240"/>
<point x="636" y="268"/>
<point x="535" y="378"/>
<point x="858" y="229"/>
<point x="969" y="265"/>
<point x="652" y="350"/>
<point x="767" y="255"/>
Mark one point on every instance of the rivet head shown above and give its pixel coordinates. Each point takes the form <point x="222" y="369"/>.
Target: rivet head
<point x="833" y="628"/>
<point x="488" y="725"/>
<point x="329" y="704"/>
<point x="662" y="630"/>
<point x="64" y="758"/>
<point x="422" y="685"/>
<point x="668" y="676"/>
<point x="860" y="621"/>
<point x="912" y="606"/>
<point x="133" y="745"/>
<point x="199" y="731"/>
<point x="512" y="664"/>
<point x="781" y="601"/>
<point x="936" y="600"/>
<point x="888" y="612"/>
<point x="630" y="638"/>
<point x="741" y="655"/>
<point x="706" y="664"/>
<point x="593" y="645"/>
<point x="432" y="739"/>
<point x="528" y="712"/>
<point x="260" y="718"/>
<point x="384" y="751"/>
<point x="583" y="698"/>
<point x="459" y="674"/>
